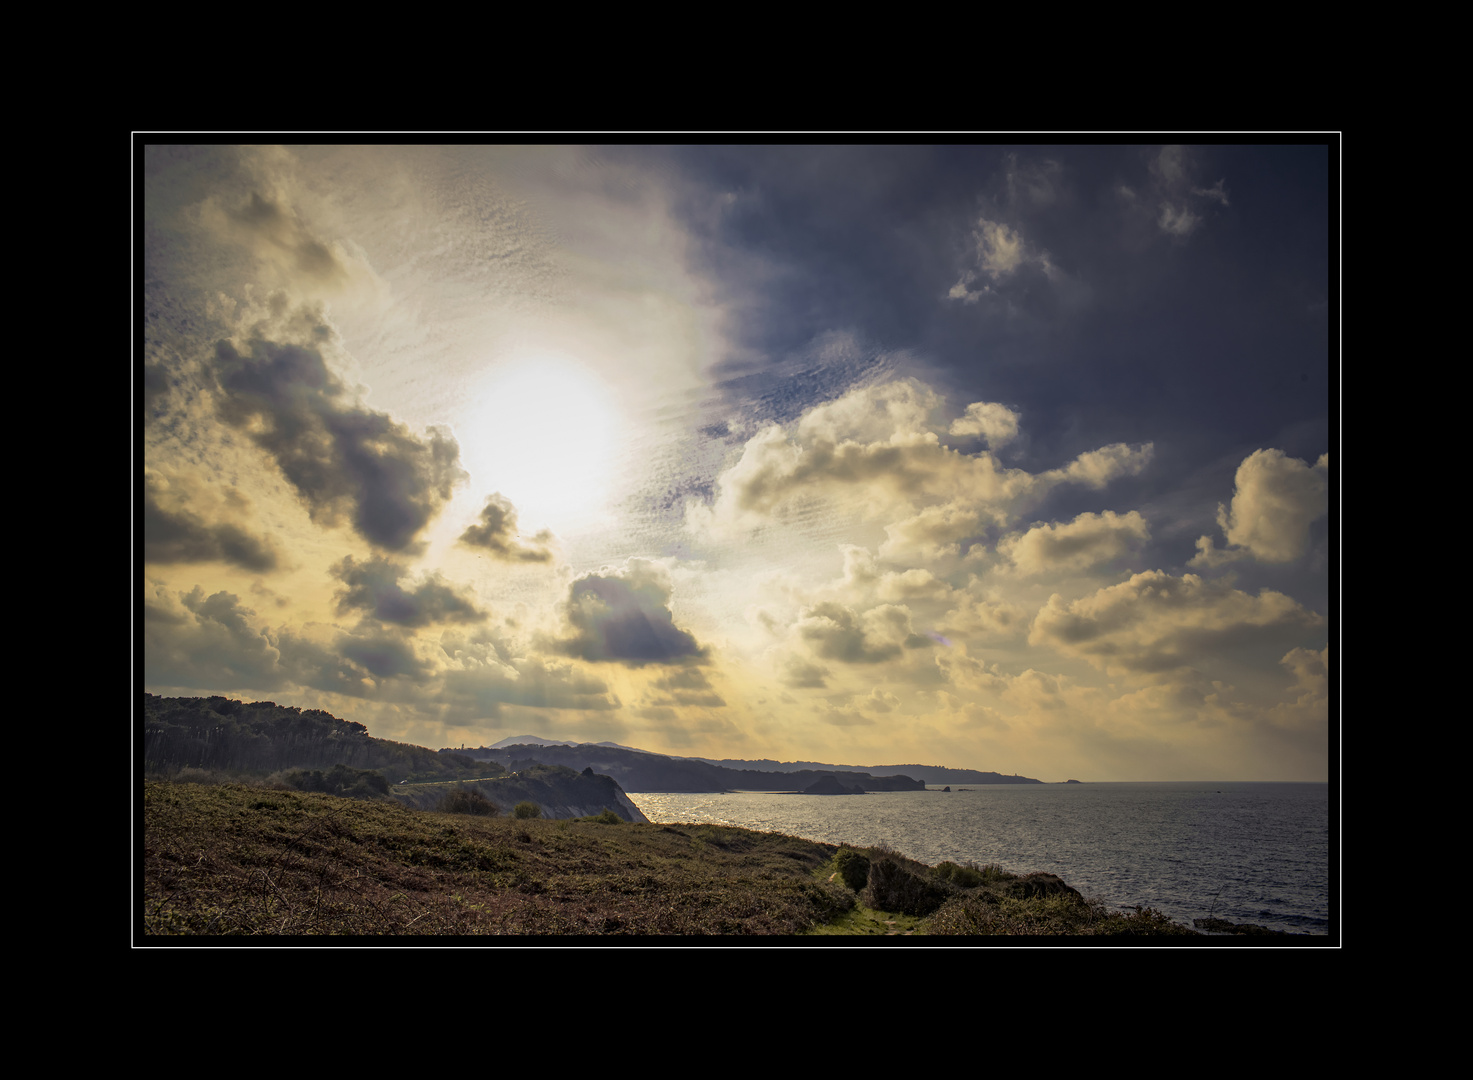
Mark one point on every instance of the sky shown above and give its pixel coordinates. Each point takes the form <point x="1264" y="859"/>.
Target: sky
<point x="1005" y="457"/>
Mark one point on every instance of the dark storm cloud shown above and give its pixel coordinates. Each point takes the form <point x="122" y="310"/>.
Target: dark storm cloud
<point x="343" y="459"/>
<point x="191" y="640"/>
<point x="383" y="655"/>
<point x="497" y="533"/>
<point x="373" y="587"/>
<point x="1198" y="326"/>
<point x="180" y="536"/>
<point x="626" y="617"/>
<point x="194" y="640"/>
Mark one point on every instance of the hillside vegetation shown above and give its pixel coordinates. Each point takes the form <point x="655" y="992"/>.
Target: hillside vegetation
<point x="556" y="791"/>
<point x="221" y="735"/>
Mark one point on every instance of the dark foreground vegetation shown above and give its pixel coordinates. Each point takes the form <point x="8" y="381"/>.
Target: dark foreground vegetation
<point x="248" y="860"/>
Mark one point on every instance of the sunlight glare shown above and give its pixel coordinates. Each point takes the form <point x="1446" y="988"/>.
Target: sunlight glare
<point x="544" y="434"/>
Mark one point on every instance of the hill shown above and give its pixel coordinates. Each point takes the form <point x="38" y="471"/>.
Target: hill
<point x="930" y="774"/>
<point x="641" y="770"/>
<point x="218" y="733"/>
<point x="231" y="859"/>
<point x="312" y="750"/>
<point x="557" y="792"/>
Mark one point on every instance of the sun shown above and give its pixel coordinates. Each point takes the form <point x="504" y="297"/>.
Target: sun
<point x="545" y="433"/>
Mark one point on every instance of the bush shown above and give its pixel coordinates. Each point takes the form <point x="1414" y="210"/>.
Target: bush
<point x="966" y="877"/>
<point x="340" y="780"/>
<point x="527" y="810"/>
<point x="468" y="801"/>
<point x="853" y="867"/>
<point x="1039" y="884"/>
<point x="894" y="887"/>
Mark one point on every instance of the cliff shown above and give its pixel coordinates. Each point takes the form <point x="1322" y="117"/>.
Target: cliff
<point x="557" y="791"/>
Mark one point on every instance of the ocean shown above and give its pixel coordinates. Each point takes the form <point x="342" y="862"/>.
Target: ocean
<point x="1245" y="852"/>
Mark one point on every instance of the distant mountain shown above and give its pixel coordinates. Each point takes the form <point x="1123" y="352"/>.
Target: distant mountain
<point x="930" y="774"/>
<point x="641" y="770"/>
<point x="530" y="740"/>
<point x="534" y="740"/>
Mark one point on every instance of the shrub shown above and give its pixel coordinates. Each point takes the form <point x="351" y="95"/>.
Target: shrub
<point x="341" y="780"/>
<point x="527" y="810"/>
<point x="853" y="867"/>
<point x="1040" y="884"/>
<point x="966" y="877"/>
<point x="894" y="887"/>
<point x="468" y="801"/>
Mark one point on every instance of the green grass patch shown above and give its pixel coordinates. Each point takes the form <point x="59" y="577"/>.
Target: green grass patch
<point x="862" y="921"/>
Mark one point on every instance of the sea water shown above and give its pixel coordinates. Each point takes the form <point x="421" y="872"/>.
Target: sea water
<point x="1244" y="852"/>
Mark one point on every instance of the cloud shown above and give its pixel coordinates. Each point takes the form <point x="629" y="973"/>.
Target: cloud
<point x="1276" y="500"/>
<point x="497" y="533"/>
<point x="863" y="578"/>
<point x="998" y="253"/>
<point x="269" y="213"/>
<point x="1217" y="192"/>
<point x="937" y="531"/>
<point x="1089" y="540"/>
<point x="688" y="686"/>
<point x="1311" y="670"/>
<point x="1033" y="182"/>
<point x="999" y="249"/>
<point x="1096" y="468"/>
<point x="843" y="716"/>
<point x="881" y="701"/>
<point x="835" y="632"/>
<point x="799" y="674"/>
<point x="276" y="231"/>
<point x="985" y="617"/>
<point x="199" y="641"/>
<point x="373" y="587"/>
<point x="1157" y="623"/>
<point x="873" y="448"/>
<point x="172" y="533"/>
<point x="384" y="654"/>
<point x="1169" y="166"/>
<point x="1177" y="194"/>
<point x="996" y="423"/>
<point x="1177" y="220"/>
<point x="211" y="642"/>
<point x="625" y="616"/>
<point x="343" y="460"/>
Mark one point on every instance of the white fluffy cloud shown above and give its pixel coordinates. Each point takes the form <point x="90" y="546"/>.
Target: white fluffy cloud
<point x="996" y="423"/>
<point x="1087" y="541"/>
<point x="873" y="451"/>
<point x="1276" y="500"/>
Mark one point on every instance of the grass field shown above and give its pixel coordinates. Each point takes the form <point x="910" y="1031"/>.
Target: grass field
<point x="233" y="859"/>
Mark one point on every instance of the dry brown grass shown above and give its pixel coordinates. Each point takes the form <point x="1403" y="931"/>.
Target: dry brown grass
<point x="237" y="860"/>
